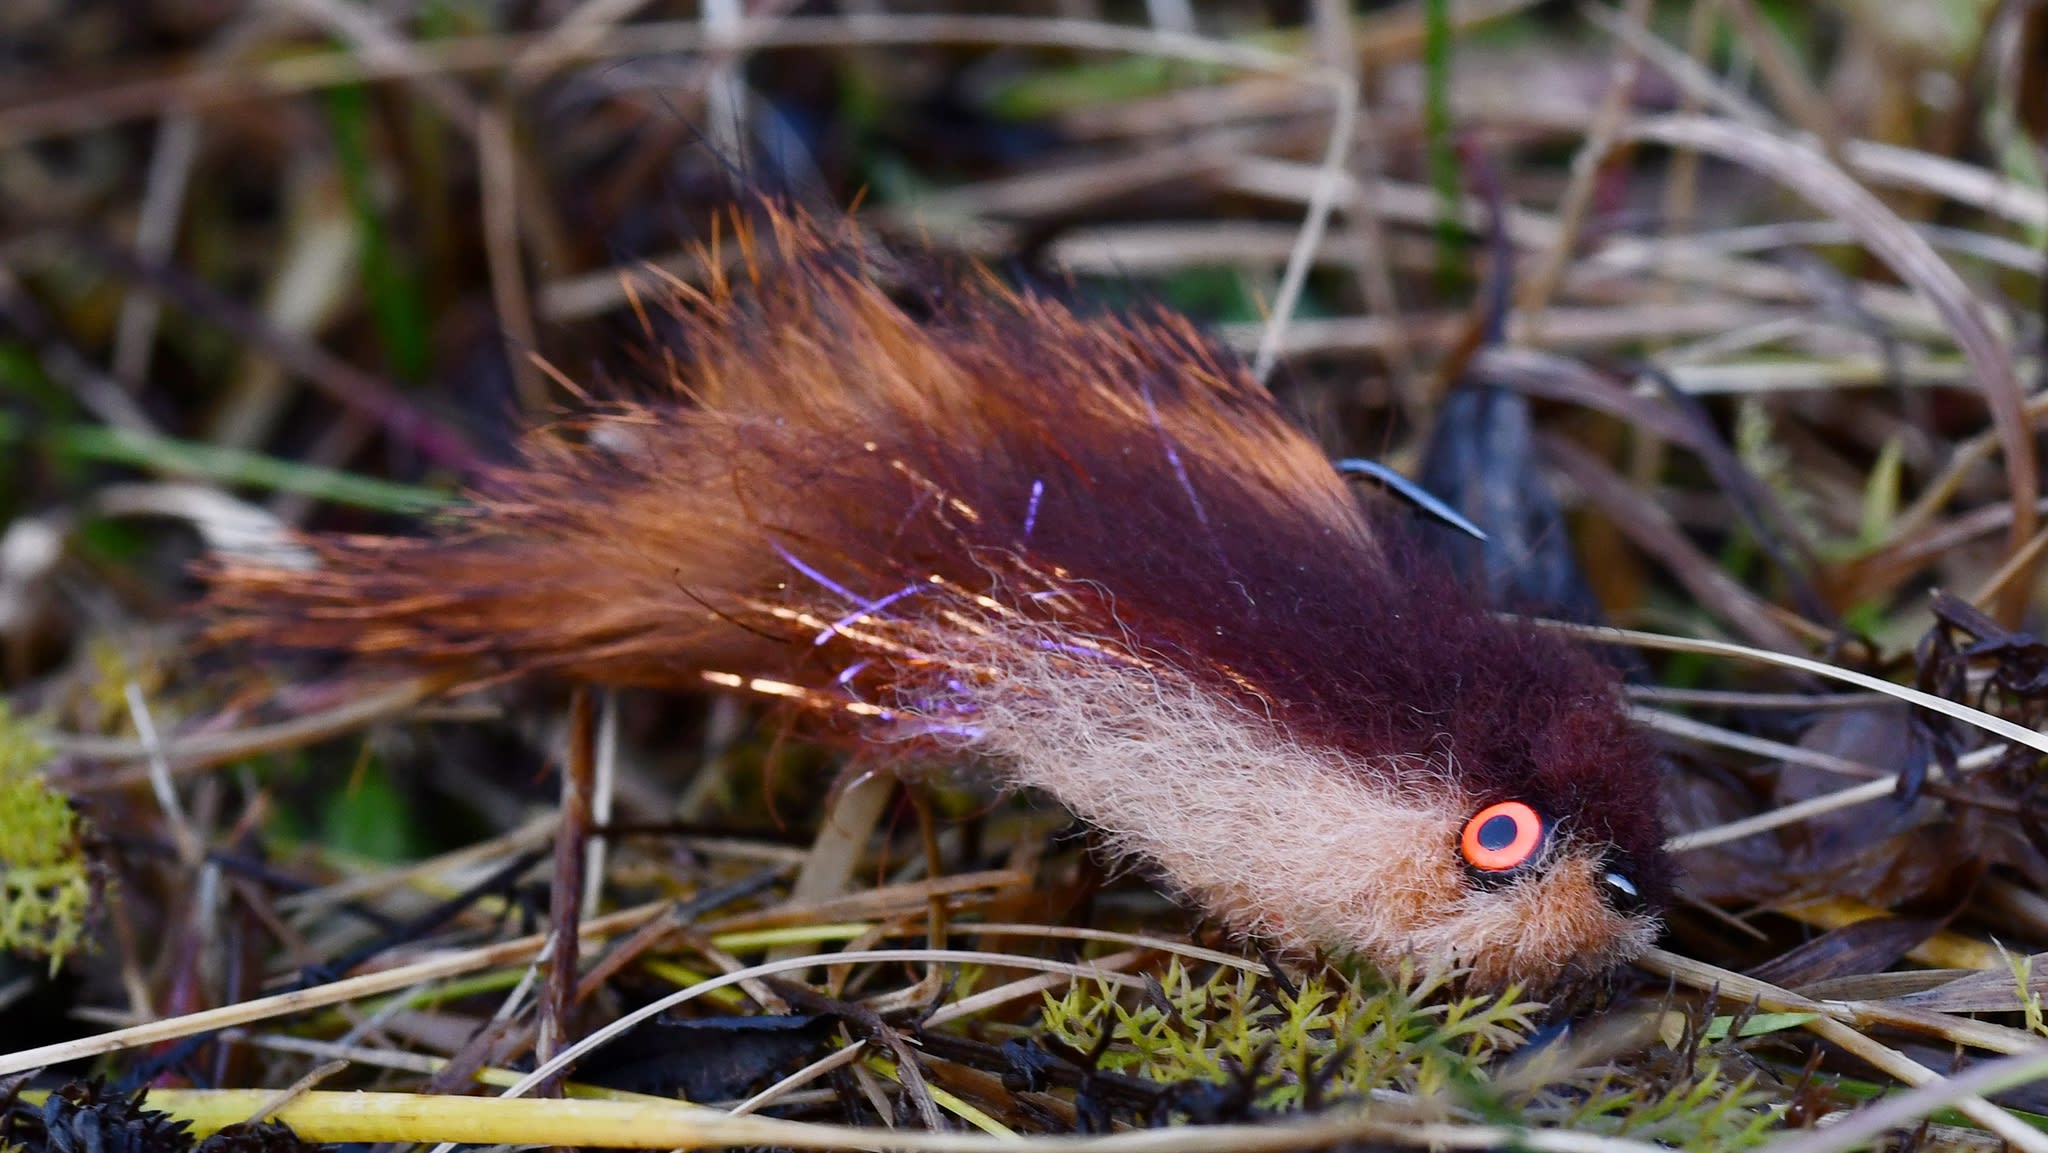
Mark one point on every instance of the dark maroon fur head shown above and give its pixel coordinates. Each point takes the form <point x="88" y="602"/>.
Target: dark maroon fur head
<point x="1368" y="652"/>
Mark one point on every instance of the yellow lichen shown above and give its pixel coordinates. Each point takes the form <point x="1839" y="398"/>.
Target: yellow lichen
<point x="46" y="881"/>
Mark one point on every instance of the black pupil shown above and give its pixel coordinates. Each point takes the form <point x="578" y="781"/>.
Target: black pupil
<point x="1498" y="833"/>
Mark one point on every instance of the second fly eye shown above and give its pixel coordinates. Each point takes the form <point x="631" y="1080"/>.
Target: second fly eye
<point x="1502" y="837"/>
<point x="1621" y="892"/>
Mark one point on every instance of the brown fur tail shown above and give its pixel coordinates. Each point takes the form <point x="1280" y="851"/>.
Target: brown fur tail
<point x="818" y="450"/>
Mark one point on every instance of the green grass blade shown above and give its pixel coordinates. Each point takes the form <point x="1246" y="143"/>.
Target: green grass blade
<point x="225" y="466"/>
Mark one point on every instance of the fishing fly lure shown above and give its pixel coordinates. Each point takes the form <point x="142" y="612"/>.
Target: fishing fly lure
<point x="1089" y="551"/>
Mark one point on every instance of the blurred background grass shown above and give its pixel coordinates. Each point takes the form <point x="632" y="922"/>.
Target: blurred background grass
<point x="308" y="263"/>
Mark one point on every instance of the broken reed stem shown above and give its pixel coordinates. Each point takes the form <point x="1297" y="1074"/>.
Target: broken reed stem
<point x="565" y="899"/>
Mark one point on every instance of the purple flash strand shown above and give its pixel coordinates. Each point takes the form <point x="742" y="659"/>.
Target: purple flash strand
<point x="812" y="573"/>
<point x="963" y="690"/>
<point x="926" y="706"/>
<point x="1031" y="510"/>
<point x="1074" y="650"/>
<point x="851" y="671"/>
<point x="971" y="732"/>
<point x="873" y="606"/>
<point x="1173" y="458"/>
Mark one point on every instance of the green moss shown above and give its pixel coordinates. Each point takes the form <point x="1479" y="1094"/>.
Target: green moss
<point x="1680" y="1104"/>
<point x="1406" y="1036"/>
<point x="46" y="882"/>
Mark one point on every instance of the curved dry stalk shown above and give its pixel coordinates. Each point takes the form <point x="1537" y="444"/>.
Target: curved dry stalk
<point x="1997" y="726"/>
<point x="1899" y="167"/>
<point x="1736" y="699"/>
<point x="519" y="950"/>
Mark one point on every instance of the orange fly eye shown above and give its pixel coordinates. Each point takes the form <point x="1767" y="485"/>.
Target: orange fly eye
<point x="1502" y="836"/>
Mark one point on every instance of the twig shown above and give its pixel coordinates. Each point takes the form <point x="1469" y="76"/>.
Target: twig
<point x="566" y="889"/>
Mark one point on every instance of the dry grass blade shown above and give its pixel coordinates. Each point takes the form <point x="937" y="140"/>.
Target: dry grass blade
<point x="1905" y="1110"/>
<point x="1908" y="254"/>
<point x="375" y="41"/>
<point x="191" y="754"/>
<point x="499" y="186"/>
<point x="1741" y="989"/>
<point x="1704" y="733"/>
<point x="1329" y="186"/>
<point x="1968" y="184"/>
<point x="1655" y="532"/>
<point x="1029" y="986"/>
<point x="203" y="88"/>
<point x="336" y="992"/>
<point x="1593" y="155"/>
<point x="1878" y="788"/>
